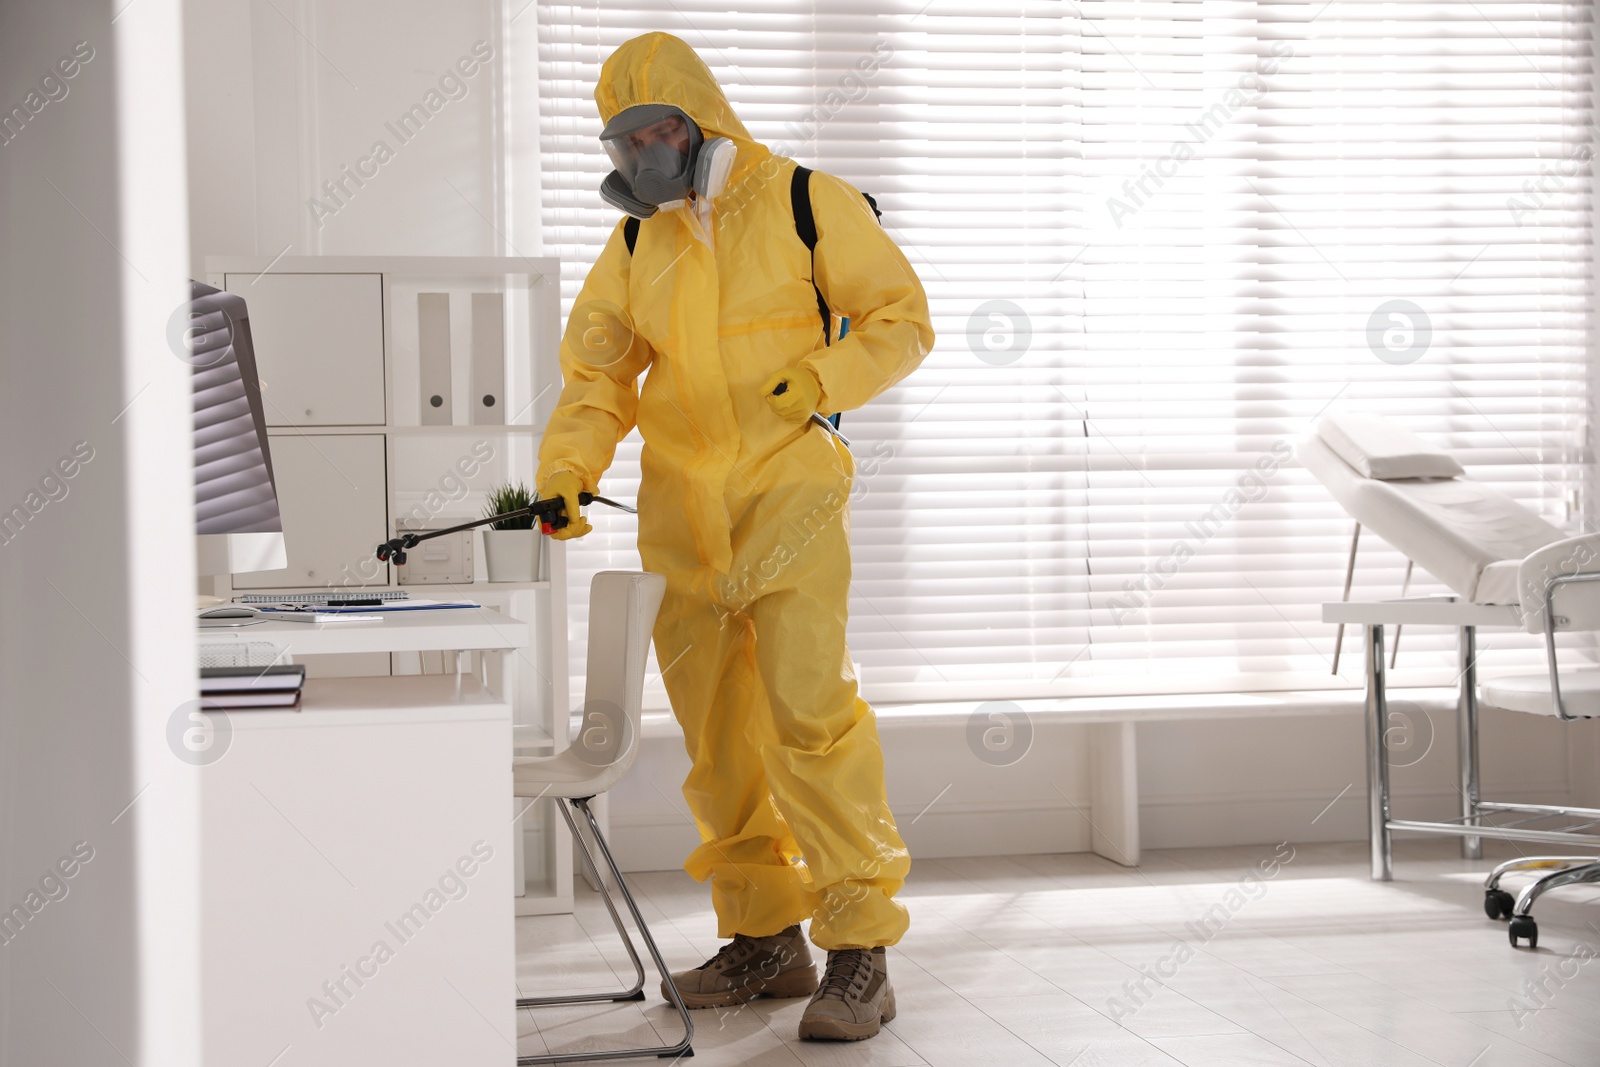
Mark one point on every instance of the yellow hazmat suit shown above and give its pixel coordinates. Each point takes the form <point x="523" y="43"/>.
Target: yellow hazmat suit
<point x="746" y="513"/>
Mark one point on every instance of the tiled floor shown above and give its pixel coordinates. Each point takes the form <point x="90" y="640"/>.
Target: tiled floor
<point x="1070" y="959"/>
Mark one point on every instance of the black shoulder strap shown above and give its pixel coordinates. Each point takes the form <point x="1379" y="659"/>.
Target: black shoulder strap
<point x="805" y="224"/>
<point x="630" y="232"/>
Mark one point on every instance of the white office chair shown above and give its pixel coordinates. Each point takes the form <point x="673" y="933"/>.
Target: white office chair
<point x="622" y="612"/>
<point x="1559" y="589"/>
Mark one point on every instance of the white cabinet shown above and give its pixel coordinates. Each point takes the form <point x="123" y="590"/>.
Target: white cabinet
<point x="319" y="345"/>
<point x="350" y="360"/>
<point x="334" y="501"/>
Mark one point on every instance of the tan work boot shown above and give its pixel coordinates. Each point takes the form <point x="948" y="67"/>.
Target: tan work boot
<point x="748" y="967"/>
<point x="854" y="1000"/>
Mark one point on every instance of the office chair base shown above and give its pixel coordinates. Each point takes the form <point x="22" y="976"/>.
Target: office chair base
<point x="684" y="1047"/>
<point x="1534" y="863"/>
<point x="1498" y="904"/>
<point x="1562" y="870"/>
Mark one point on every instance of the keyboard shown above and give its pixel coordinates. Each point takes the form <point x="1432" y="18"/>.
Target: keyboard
<point x="323" y="598"/>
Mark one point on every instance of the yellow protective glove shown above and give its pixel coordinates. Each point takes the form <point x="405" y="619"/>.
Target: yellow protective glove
<point x="567" y="486"/>
<point x="793" y="394"/>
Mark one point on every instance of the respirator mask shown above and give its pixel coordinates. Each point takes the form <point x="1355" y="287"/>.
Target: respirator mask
<point x="661" y="157"/>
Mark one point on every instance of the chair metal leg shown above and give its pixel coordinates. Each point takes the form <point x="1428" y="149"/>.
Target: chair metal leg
<point x="684" y="1047"/>
<point x="637" y="991"/>
<point x="1467" y="737"/>
<point x="1377" y="713"/>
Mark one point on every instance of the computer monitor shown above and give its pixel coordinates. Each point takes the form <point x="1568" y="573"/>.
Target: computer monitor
<point x="237" y="522"/>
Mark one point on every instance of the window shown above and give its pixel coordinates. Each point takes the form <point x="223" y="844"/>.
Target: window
<point x="1159" y="240"/>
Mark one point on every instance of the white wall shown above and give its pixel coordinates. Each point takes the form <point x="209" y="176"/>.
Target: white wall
<point x="219" y="104"/>
<point x="286" y="96"/>
<point x="318" y="100"/>
<point x="1256" y="781"/>
<point x="96" y="647"/>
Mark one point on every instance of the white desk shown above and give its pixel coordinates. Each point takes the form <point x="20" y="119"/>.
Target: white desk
<point x="324" y="831"/>
<point x="400" y="631"/>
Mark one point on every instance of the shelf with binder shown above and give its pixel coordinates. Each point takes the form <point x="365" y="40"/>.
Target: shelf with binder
<point x="449" y="336"/>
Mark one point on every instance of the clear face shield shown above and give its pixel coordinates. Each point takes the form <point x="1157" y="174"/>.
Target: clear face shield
<point x="653" y="148"/>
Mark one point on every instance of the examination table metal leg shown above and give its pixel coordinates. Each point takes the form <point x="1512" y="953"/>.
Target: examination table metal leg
<point x="1349" y="576"/>
<point x="1377" y="715"/>
<point x="1467" y="738"/>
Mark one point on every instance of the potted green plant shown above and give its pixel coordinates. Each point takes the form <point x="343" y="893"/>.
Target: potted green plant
<point x="511" y="547"/>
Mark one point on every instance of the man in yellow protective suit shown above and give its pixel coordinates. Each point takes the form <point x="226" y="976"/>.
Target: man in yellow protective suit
<point x="743" y="506"/>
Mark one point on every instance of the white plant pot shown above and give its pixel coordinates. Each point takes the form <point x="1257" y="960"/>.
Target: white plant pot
<point x="512" y="555"/>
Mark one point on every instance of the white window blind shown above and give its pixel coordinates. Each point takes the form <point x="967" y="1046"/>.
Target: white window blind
<point x="1159" y="239"/>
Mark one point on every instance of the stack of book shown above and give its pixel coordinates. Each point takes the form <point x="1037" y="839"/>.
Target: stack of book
<point x="237" y="688"/>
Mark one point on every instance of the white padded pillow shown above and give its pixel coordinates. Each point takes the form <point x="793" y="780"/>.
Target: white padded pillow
<point x="1384" y="450"/>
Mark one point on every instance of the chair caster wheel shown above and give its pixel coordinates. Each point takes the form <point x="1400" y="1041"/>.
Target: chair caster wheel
<point x="1497" y="903"/>
<point x="1523" y="926"/>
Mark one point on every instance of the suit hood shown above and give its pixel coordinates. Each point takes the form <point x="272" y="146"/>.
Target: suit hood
<point x="658" y="68"/>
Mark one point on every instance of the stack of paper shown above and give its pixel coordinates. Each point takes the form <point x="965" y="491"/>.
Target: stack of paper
<point x="235" y="688"/>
